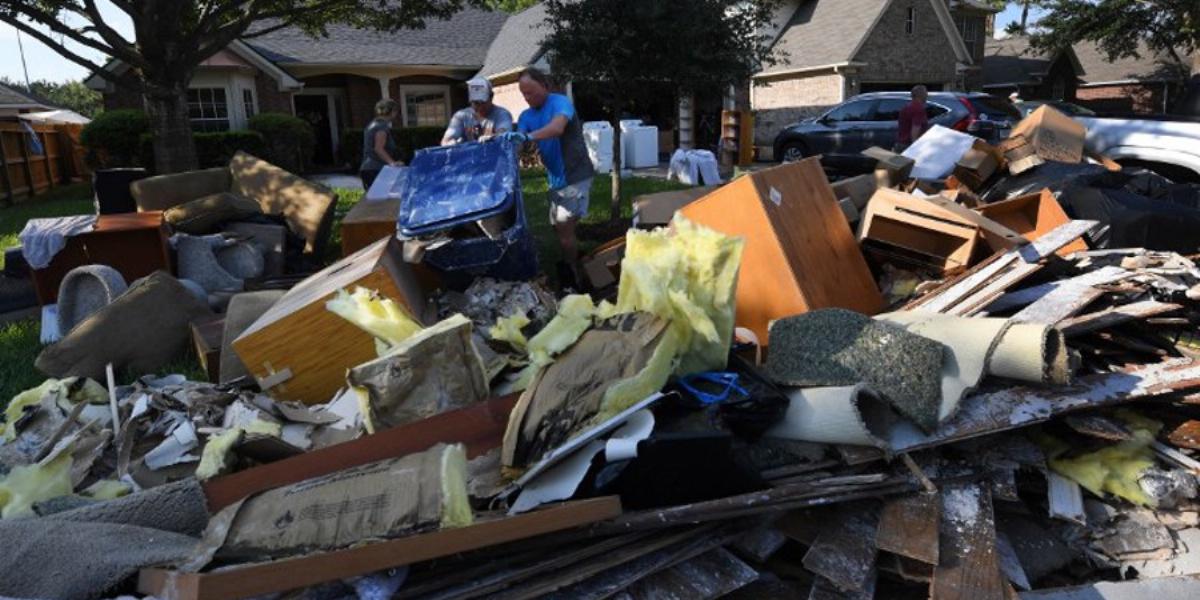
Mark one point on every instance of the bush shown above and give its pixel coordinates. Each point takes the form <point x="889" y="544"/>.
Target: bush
<point x="408" y="141"/>
<point x="113" y="138"/>
<point x="289" y="141"/>
<point x="214" y="149"/>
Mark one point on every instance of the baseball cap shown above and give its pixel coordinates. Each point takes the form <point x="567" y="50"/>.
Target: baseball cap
<point x="479" y="90"/>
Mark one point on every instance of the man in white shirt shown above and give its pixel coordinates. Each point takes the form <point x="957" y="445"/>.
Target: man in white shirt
<point x="480" y="121"/>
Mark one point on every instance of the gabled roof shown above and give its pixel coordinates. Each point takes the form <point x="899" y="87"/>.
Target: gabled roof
<point x="1097" y="69"/>
<point x="518" y="44"/>
<point x="460" y="41"/>
<point x="825" y="33"/>
<point x="973" y="5"/>
<point x="13" y="98"/>
<point x="1011" y="61"/>
<point x="829" y="33"/>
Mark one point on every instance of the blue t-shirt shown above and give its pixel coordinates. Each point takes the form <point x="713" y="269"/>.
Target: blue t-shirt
<point x="566" y="156"/>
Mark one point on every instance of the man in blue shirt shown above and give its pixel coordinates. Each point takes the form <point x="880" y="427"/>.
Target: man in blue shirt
<point x="551" y="121"/>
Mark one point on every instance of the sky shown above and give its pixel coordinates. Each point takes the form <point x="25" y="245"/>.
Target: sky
<point x="44" y="63"/>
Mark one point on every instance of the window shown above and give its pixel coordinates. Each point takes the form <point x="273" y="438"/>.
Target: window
<point x="889" y="109"/>
<point x="248" y="103"/>
<point x="933" y="111"/>
<point x="910" y="22"/>
<point x="853" y="111"/>
<point x="968" y="28"/>
<point x="426" y="106"/>
<point x="208" y="109"/>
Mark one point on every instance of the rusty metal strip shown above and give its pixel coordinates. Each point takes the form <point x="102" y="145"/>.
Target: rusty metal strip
<point x="1115" y="316"/>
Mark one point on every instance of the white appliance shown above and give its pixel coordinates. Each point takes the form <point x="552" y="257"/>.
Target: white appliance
<point x="640" y="144"/>
<point x="598" y="136"/>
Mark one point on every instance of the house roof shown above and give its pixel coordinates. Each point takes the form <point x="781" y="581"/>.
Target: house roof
<point x="518" y="44"/>
<point x="13" y="98"/>
<point x="1098" y="70"/>
<point x="824" y="33"/>
<point x="460" y="41"/>
<point x="975" y="5"/>
<point x="1011" y="61"/>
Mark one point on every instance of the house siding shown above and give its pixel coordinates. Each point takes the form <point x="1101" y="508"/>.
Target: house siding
<point x="122" y="97"/>
<point x="894" y="56"/>
<point x="778" y="102"/>
<point x="270" y="99"/>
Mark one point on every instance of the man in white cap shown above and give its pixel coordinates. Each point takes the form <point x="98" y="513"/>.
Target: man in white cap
<point x="480" y="121"/>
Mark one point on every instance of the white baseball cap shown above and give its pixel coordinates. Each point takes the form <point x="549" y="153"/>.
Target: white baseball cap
<point x="479" y="90"/>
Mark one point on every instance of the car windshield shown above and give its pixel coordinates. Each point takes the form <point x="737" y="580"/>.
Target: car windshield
<point x="995" y="109"/>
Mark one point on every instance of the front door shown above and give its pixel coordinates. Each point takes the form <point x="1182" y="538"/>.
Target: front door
<point x="316" y="110"/>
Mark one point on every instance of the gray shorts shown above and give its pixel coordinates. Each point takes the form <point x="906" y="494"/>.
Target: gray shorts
<point x="571" y="202"/>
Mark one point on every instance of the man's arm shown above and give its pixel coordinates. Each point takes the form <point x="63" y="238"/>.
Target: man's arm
<point x="454" y="131"/>
<point x="553" y="129"/>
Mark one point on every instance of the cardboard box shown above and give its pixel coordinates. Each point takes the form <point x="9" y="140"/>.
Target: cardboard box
<point x="300" y="351"/>
<point x="915" y="231"/>
<point x="892" y="169"/>
<point x="858" y="189"/>
<point x="978" y="164"/>
<point x="800" y="254"/>
<point x="657" y="210"/>
<point x="1032" y="216"/>
<point x="602" y="267"/>
<point x="206" y="338"/>
<point x="1053" y="135"/>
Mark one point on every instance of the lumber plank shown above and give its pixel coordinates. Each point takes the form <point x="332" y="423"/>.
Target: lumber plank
<point x="1116" y="315"/>
<point x="969" y="566"/>
<point x="294" y="573"/>
<point x="479" y="427"/>
<point x="844" y="551"/>
<point x="1070" y="297"/>
<point x="909" y="525"/>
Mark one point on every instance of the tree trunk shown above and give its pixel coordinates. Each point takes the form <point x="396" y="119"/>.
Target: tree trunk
<point x="1024" y="15"/>
<point x="174" y="148"/>
<point x="614" y="207"/>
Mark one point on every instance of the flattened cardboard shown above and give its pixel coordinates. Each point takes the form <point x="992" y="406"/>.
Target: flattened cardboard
<point x="1053" y="135"/>
<point x="657" y="210"/>
<point x="602" y="266"/>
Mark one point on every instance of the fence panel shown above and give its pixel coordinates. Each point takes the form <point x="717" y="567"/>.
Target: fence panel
<point x="25" y="174"/>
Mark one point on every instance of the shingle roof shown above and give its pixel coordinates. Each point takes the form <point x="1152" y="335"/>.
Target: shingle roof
<point x="13" y="97"/>
<point x="1010" y="61"/>
<point x="825" y="32"/>
<point x="1098" y="69"/>
<point x="460" y="41"/>
<point x="519" y="42"/>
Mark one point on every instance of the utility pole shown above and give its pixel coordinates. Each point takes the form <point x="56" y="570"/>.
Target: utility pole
<point x="24" y="67"/>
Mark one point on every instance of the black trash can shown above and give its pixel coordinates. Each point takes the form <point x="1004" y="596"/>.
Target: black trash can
<point x="111" y="188"/>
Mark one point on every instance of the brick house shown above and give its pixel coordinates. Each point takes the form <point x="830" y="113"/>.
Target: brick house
<point x="1084" y="75"/>
<point x="334" y="82"/>
<point x="830" y="50"/>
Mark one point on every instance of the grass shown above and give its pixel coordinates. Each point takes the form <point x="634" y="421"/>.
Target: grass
<point x="19" y="341"/>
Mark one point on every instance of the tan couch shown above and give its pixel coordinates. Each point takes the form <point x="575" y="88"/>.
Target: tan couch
<point x="308" y="207"/>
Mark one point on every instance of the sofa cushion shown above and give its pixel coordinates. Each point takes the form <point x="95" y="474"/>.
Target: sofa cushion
<point x="164" y="191"/>
<point x="204" y="215"/>
<point x="307" y="206"/>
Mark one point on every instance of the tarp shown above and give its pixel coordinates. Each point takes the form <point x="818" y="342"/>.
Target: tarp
<point x="56" y="116"/>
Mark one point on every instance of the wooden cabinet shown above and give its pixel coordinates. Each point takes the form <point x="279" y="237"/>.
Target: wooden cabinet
<point x="135" y="244"/>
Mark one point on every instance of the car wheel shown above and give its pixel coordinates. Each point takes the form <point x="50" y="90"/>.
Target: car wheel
<point x="792" y="153"/>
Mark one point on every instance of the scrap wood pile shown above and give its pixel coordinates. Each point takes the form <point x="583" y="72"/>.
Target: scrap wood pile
<point x="763" y="403"/>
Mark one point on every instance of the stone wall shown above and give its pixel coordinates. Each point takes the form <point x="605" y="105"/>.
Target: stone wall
<point x="893" y="55"/>
<point x="780" y="102"/>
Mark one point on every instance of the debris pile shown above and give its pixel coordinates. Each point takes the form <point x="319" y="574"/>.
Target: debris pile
<point x="977" y="394"/>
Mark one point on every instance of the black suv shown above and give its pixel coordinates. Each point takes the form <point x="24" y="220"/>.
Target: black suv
<point x="844" y="131"/>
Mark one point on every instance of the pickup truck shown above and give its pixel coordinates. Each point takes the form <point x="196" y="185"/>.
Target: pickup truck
<point x="1168" y="146"/>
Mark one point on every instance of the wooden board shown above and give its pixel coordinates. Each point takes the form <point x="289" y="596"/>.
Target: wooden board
<point x="800" y="254"/>
<point x="969" y="566"/>
<point x="293" y="573"/>
<point x="479" y="427"/>
<point x="299" y="336"/>
<point x="206" y="339"/>
<point x="916" y="231"/>
<point x="909" y="526"/>
<point x="1116" y="315"/>
<point x="1069" y="297"/>
<point x="844" y="551"/>
<point x="367" y="223"/>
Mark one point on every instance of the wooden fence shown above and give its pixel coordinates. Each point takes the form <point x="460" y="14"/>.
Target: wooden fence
<point x="24" y="174"/>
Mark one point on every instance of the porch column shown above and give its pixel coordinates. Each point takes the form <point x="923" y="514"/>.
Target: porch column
<point x="384" y="84"/>
<point x="686" y="141"/>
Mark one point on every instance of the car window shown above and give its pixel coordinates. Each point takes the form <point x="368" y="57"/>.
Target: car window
<point x="995" y="109"/>
<point x="859" y="110"/>
<point x="889" y="109"/>
<point x="934" y="111"/>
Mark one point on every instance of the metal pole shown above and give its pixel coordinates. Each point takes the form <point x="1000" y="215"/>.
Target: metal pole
<point x="21" y="48"/>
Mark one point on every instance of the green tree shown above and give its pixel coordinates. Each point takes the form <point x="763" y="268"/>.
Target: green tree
<point x="172" y="37"/>
<point x="630" y="48"/>
<point x="1169" y="28"/>
<point x="511" y="6"/>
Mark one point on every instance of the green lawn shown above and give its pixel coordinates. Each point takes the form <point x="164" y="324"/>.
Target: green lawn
<point x="19" y="344"/>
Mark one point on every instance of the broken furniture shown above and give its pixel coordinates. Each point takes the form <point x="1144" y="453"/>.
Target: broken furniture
<point x="135" y="244"/>
<point x="206" y="340"/>
<point x="300" y="351"/>
<point x="270" y="239"/>
<point x="892" y="169"/>
<point x="800" y="254"/>
<point x="1032" y="216"/>
<point x="368" y="222"/>
<point x="308" y="207"/>
<point x="86" y="290"/>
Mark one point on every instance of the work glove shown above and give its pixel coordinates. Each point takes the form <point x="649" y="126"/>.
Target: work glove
<point x="516" y="137"/>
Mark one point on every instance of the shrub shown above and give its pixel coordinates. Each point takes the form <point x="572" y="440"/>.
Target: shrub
<point x="289" y="141"/>
<point x="408" y="141"/>
<point x="214" y="149"/>
<point x="113" y="138"/>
